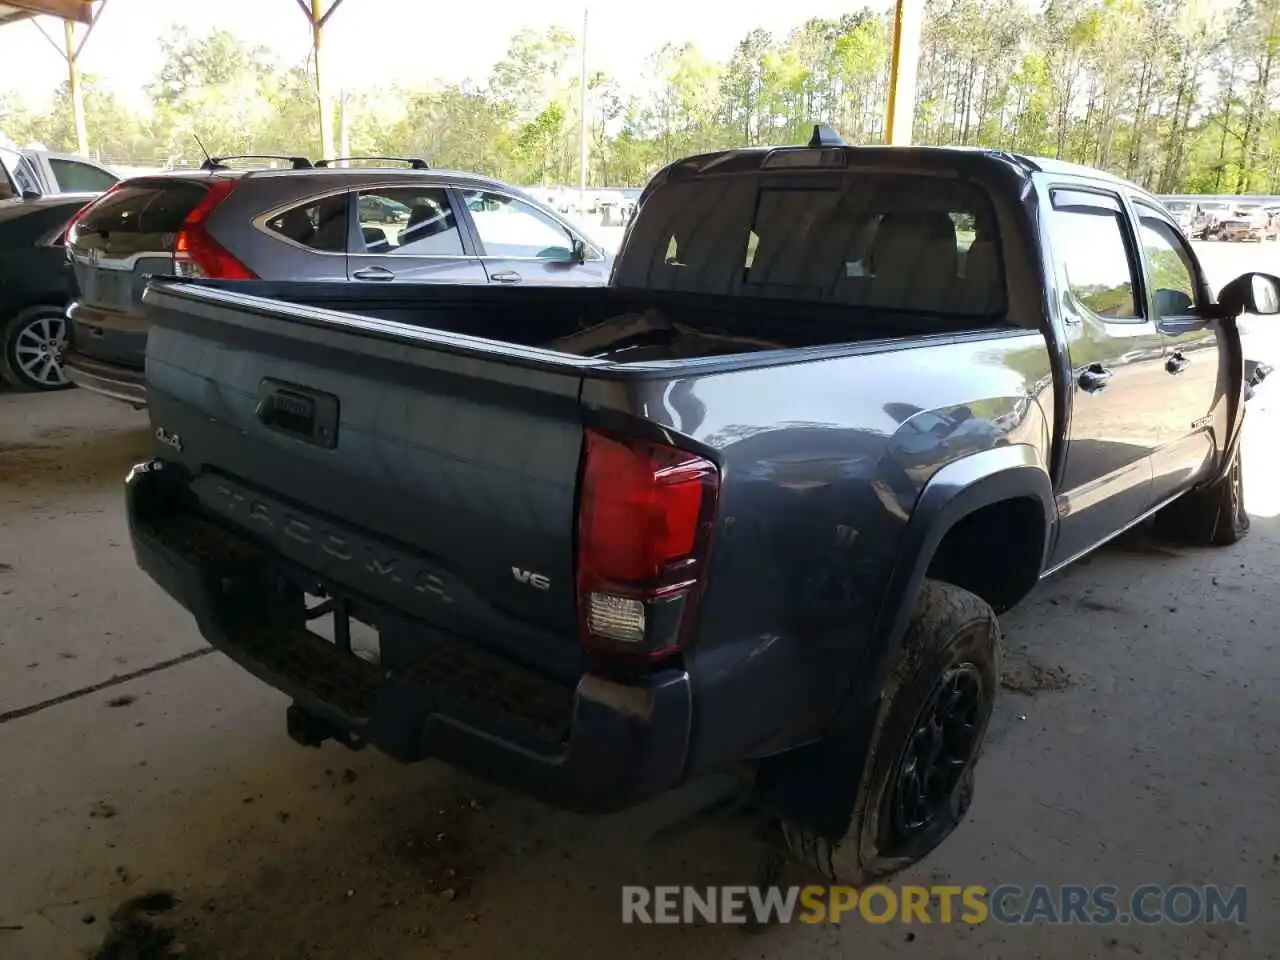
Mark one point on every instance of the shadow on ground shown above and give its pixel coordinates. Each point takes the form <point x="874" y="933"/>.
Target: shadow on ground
<point x="1120" y="658"/>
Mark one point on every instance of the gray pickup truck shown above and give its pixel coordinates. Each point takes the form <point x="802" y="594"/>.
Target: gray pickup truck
<point x="753" y="507"/>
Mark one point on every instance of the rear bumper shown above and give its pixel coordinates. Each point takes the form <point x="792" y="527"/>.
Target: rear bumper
<point x="598" y="747"/>
<point x="110" y="380"/>
<point x="107" y="352"/>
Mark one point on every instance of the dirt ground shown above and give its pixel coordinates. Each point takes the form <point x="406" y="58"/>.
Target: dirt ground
<point x="1136" y="742"/>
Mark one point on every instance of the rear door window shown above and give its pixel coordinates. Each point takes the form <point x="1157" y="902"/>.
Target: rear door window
<point x="1089" y="239"/>
<point x="319" y="225"/>
<point x="409" y="221"/>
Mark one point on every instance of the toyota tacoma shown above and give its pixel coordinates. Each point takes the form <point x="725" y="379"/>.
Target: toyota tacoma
<point x="754" y="506"/>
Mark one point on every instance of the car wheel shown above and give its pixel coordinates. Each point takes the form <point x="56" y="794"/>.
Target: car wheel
<point x="918" y="781"/>
<point x="34" y="344"/>
<point x="1212" y="516"/>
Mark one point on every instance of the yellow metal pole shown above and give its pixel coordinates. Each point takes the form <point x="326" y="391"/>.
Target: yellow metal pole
<point x="77" y="95"/>
<point x="322" y="91"/>
<point x="582" y="122"/>
<point x="908" y="18"/>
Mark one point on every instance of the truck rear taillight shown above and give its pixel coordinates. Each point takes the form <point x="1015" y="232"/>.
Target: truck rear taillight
<point x="196" y="253"/>
<point x="644" y="529"/>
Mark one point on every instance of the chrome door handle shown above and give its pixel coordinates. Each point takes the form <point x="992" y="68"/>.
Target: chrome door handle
<point x="374" y="273"/>
<point x="505" y="276"/>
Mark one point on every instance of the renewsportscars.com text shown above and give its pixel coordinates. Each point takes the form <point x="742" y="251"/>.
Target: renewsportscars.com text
<point x="1007" y="904"/>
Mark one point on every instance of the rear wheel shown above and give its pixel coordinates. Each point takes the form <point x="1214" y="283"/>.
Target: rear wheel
<point x="33" y="346"/>
<point x="1213" y="516"/>
<point x="918" y="781"/>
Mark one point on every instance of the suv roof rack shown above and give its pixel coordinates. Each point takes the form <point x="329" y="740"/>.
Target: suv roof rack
<point x="417" y="163"/>
<point x="219" y="163"/>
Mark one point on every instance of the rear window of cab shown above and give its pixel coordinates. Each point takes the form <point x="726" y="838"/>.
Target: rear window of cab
<point x="888" y="241"/>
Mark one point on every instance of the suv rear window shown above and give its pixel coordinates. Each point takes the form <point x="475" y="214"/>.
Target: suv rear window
<point x="140" y="217"/>
<point x="885" y="241"/>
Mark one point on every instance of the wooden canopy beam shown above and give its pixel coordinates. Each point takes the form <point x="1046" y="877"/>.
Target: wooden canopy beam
<point x="75" y="11"/>
<point x="317" y="17"/>
<point x="70" y="52"/>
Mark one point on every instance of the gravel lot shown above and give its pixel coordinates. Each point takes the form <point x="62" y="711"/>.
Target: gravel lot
<point x="1136" y="743"/>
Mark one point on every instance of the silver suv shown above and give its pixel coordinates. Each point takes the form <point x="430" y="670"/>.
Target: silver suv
<point x="306" y="222"/>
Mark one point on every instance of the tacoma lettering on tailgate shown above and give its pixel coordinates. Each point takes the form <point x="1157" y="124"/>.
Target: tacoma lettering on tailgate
<point x="275" y="520"/>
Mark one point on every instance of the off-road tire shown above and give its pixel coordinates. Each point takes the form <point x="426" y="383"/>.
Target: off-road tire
<point x="1212" y="516"/>
<point x="950" y="630"/>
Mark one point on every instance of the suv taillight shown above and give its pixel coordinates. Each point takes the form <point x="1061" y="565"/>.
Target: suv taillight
<point x="196" y="253"/>
<point x="644" y="529"/>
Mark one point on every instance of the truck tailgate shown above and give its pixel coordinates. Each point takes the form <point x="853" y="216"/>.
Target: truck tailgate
<point x="452" y="461"/>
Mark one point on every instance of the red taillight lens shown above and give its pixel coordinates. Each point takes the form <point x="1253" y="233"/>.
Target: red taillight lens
<point x="644" y="527"/>
<point x="196" y="253"/>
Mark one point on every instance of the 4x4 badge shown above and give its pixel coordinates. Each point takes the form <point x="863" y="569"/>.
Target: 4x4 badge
<point x="169" y="439"/>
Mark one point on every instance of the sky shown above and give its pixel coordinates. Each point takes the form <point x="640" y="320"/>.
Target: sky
<point x="379" y="41"/>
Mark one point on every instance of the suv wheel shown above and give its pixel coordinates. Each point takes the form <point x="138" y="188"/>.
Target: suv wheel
<point x="918" y="780"/>
<point x="34" y="343"/>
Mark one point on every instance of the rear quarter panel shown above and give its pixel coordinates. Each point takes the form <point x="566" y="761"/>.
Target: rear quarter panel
<point x="233" y="225"/>
<point x="822" y="463"/>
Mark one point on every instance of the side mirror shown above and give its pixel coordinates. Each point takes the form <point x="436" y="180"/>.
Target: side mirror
<point x="578" y="253"/>
<point x="1257" y="293"/>
<point x="31" y="195"/>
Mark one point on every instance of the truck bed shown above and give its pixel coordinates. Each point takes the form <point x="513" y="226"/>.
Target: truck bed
<point x="552" y="316"/>
<point x="458" y="454"/>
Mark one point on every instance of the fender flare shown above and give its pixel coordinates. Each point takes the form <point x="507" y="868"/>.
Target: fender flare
<point x="955" y="491"/>
<point x="815" y="786"/>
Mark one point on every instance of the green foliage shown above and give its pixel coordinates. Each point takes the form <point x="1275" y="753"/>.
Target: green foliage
<point x="1179" y="95"/>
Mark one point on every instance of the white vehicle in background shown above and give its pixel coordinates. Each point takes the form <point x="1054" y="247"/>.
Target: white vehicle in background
<point x="616" y="209"/>
<point x="1183" y="212"/>
<point x="42" y="173"/>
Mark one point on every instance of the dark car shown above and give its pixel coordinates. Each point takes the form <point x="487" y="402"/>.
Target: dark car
<point x="308" y="222"/>
<point x="35" y="286"/>
<point x="753" y="507"/>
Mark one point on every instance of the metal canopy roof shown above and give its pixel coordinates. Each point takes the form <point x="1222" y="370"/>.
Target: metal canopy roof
<point x="79" y="11"/>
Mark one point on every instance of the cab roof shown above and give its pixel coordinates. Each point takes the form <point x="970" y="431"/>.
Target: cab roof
<point x="815" y="157"/>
